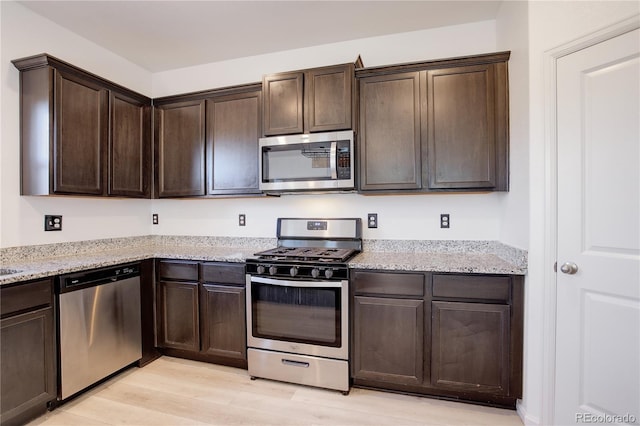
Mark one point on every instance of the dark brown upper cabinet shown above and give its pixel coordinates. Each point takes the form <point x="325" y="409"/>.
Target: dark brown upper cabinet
<point x="129" y="147"/>
<point x="206" y="143"/>
<point x="233" y="128"/>
<point x="81" y="134"/>
<point x="314" y="100"/>
<point x="390" y="143"/>
<point x="435" y="126"/>
<point x="180" y="149"/>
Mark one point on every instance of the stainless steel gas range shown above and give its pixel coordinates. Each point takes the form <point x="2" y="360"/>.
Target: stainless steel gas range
<point x="298" y="303"/>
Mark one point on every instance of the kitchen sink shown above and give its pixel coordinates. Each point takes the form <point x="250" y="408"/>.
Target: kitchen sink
<point x="6" y="271"/>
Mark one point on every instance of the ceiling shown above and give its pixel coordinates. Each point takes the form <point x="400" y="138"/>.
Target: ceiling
<point x="164" y="35"/>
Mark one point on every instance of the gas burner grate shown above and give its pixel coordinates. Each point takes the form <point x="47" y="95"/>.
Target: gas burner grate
<point x="309" y="254"/>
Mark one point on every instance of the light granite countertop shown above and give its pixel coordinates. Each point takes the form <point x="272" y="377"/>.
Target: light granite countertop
<point x="475" y="263"/>
<point x="33" y="262"/>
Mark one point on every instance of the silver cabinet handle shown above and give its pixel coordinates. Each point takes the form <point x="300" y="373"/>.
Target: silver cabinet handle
<point x="569" y="268"/>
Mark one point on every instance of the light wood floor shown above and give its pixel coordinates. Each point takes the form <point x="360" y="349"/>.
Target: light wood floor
<point x="172" y="391"/>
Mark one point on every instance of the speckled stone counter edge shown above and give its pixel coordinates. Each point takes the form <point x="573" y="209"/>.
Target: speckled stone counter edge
<point x="507" y="253"/>
<point x="35" y="252"/>
<point x="52" y="259"/>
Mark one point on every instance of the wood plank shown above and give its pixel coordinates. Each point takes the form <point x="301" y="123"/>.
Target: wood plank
<point x="172" y="391"/>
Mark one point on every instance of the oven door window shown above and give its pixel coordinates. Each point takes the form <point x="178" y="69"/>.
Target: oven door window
<point x="297" y="314"/>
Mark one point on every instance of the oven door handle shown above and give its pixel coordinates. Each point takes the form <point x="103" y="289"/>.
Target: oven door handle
<point x="288" y="283"/>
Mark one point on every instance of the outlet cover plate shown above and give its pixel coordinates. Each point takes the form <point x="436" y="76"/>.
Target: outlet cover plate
<point x="52" y="222"/>
<point x="372" y="220"/>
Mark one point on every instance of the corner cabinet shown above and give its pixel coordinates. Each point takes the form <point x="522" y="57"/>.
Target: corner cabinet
<point x="455" y="336"/>
<point x="201" y="311"/>
<point x="81" y="134"/>
<point x="313" y="100"/>
<point x="179" y="322"/>
<point x="179" y="148"/>
<point x="435" y="126"/>
<point x="28" y="360"/>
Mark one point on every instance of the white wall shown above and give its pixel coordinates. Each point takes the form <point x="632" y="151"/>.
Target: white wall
<point x="551" y="24"/>
<point x="400" y="217"/>
<point x="473" y="216"/>
<point x="458" y="40"/>
<point x="512" y="25"/>
<point x="512" y="34"/>
<point x="24" y="33"/>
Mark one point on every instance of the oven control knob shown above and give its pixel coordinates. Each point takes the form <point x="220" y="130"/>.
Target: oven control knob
<point x="328" y="273"/>
<point x="273" y="270"/>
<point x="260" y="269"/>
<point x="315" y="272"/>
<point x="293" y="271"/>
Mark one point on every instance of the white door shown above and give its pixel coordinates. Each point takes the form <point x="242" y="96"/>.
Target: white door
<point x="598" y="307"/>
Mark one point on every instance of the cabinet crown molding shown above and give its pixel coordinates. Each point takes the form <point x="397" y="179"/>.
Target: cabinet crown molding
<point x="487" y="58"/>
<point x="43" y="60"/>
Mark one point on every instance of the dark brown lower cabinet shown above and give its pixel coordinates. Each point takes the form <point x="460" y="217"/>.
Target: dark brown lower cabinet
<point x="470" y="346"/>
<point x="453" y="336"/>
<point x="28" y="372"/>
<point x="388" y="339"/>
<point x="201" y="311"/>
<point x="222" y="309"/>
<point x="179" y="324"/>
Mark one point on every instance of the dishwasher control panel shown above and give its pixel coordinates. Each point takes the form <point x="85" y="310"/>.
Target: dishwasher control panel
<point x="75" y="281"/>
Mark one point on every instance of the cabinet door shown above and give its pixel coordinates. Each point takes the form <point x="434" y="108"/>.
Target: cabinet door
<point x="178" y="315"/>
<point x="390" y="132"/>
<point x="283" y="103"/>
<point x="461" y="127"/>
<point x="82" y="128"/>
<point x="470" y="347"/>
<point x="28" y="372"/>
<point x="180" y="149"/>
<point x="233" y="129"/>
<point x="223" y="320"/>
<point x="388" y="339"/>
<point x="129" y="147"/>
<point x="328" y="98"/>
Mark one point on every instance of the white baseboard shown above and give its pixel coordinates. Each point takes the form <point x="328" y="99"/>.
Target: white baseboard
<point x="527" y="419"/>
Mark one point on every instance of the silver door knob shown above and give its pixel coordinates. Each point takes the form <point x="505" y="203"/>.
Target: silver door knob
<point x="569" y="268"/>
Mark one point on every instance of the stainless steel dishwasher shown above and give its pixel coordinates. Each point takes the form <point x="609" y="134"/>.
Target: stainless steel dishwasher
<point x="100" y="325"/>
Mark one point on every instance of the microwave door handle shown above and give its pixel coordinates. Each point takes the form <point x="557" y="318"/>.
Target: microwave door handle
<point x="333" y="156"/>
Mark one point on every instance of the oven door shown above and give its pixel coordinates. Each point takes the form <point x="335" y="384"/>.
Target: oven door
<point x="301" y="317"/>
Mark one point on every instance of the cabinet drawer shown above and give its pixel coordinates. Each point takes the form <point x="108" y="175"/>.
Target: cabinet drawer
<point x="230" y="273"/>
<point x="389" y="284"/>
<point x="471" y="287"/>
<point x="25" y="296"/>
<point x="174" y="270"/>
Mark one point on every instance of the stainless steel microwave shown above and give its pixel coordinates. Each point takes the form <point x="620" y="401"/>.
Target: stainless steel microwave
<point x="315" y="161"/>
